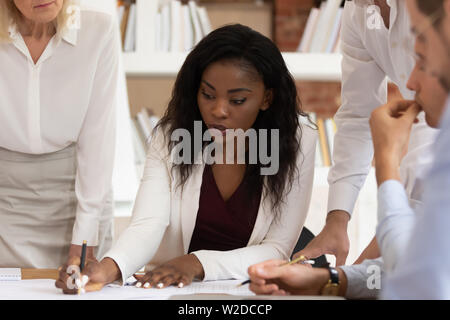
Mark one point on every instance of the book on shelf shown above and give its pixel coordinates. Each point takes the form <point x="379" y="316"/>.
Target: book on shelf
<point x="311" y="23"/>
<point x="143" y="124"/>
<point x="180" y="26"/>
<point x="321" y="34"/>
<point x="204" y="20"/>
<point x="188" y="34"/>
<point x="126" y="14"/>
<point x="198" y="35"/>
<point x="176" y="27"/>
<point x="164" y="36"/>
<point x="326" y="128"/>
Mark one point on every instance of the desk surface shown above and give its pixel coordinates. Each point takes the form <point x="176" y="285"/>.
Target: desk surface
<point x="38" y="284"/>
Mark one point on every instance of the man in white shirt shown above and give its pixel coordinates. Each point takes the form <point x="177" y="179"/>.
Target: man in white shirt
<point x="419" y="261"/>
<point x="371" y="52"/>
<point x="363" y="281"/>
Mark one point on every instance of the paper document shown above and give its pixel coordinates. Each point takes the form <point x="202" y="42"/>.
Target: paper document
<point x="46" y="290"/>
<point x="10" y="274"/>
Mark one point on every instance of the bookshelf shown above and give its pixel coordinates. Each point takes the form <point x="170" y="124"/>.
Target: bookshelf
<point x="146" y="62"/>
<point x="303" y="66"/>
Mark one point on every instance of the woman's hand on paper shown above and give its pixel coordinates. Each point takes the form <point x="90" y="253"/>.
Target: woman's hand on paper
<point x="94" y="276"/>
<point x="179" y="272"/>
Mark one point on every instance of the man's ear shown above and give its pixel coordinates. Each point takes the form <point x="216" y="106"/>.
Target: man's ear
<point x="268" y="99"/>
<point x="447" y="8"/>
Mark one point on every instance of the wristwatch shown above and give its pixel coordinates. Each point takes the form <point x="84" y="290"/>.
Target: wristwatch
<point x="332" y="286"/>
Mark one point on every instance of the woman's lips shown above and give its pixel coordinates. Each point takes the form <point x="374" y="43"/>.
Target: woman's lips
<point x="44" y="5"/>
<point x="221" y="128"/>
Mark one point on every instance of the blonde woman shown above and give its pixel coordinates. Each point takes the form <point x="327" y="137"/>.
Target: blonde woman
<point x="58" y="77"/>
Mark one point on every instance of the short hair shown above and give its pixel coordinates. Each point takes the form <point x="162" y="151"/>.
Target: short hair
<point x="9" y="15"/>
<point x="429" y="7"/>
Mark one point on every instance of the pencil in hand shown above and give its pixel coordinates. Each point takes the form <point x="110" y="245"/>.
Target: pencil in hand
<point x="301" y="259"/>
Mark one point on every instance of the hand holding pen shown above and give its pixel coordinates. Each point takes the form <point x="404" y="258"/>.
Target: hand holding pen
<point x="301" y="260"/>
<point x="277" y="277"/>
<point x="83" y="273"/>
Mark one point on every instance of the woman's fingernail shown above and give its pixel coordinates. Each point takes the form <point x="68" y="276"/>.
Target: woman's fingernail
<point x="160" y="285"/>
<point x="84" y="280"/>
<point x="147" y="285"/>
<point x="78" y="283"/>
<point x="138" y="285"/>
<point x="181" y="285"/>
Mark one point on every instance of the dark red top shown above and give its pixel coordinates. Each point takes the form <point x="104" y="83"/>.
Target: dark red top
<point x="223" y="225"/>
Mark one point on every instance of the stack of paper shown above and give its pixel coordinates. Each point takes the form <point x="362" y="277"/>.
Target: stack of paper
<point x="10" y="274"/>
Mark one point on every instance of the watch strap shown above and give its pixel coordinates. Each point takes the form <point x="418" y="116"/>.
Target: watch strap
<point x="334" y="275"/>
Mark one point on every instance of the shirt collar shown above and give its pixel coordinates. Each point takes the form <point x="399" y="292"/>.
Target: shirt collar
<point x="70" y="35"/>
<point x="445" y="121"/>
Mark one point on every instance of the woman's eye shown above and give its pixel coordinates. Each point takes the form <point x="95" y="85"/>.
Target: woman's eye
<point x="238" y="101"/>
<point x="207" y="96"/>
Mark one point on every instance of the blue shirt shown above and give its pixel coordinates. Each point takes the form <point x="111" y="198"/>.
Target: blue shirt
<point x="416" y="245"/>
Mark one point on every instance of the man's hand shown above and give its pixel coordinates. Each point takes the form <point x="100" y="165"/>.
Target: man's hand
<point x="333" y="239"/>
<point x="372" y="251"/>
<point x="274" y="278"/>
<point x="391" y="127"/>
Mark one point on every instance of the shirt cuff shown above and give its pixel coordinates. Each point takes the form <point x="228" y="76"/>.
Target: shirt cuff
<point x="342" y="196"/>
<point x="124" y="273"/>
<point x="392" y="199"/>
<point x="85" y="228"/>
<point x="364" y="280"/>
<point x="207" y="270"/>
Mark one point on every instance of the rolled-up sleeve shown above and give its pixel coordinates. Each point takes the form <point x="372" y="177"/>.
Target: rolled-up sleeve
<point x="364" y="88"/>
<point x="96" y="143"/>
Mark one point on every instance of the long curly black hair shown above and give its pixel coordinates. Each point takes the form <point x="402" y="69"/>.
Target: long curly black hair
<point x="249" y="48"/>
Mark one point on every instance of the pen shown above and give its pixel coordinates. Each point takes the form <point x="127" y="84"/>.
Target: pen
<point x="82" y="261"/>
<point x="301" y="258"/>
<point x="83" y="255"/>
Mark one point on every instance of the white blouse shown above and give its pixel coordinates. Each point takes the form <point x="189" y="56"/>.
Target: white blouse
<point x="67" y="97"/>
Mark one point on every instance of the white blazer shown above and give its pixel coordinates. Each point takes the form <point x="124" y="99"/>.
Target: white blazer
<point x="164" y="218"/>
